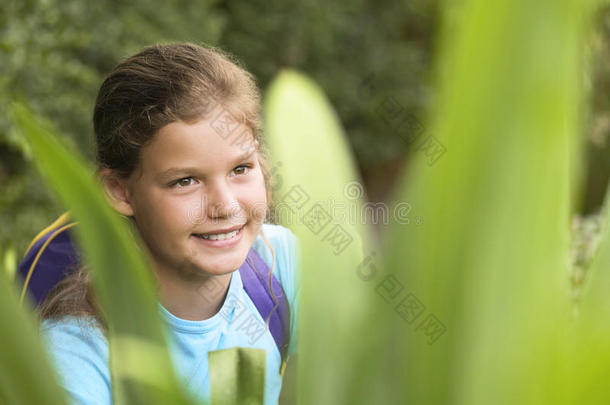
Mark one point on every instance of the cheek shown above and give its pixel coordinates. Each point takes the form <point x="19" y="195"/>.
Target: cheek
<point x="182" y="214"/>
<point x="255" y="198"/>
<point x="162" y="216"/>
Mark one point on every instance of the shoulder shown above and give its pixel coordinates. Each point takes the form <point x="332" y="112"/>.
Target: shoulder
<point x="79" y="353"/>
<point x="286" y="249"/>
<point x="74" y="332"/>
<point x="277" y="234"/>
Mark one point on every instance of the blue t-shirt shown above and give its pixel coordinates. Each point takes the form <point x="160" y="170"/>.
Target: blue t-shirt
<point x="79" y="350"/>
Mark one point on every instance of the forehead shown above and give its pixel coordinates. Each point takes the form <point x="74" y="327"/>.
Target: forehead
<point x="197" y="144"/>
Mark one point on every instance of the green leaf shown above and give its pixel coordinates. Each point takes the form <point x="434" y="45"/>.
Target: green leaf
<point x="320" y="199"/>
<point x="490" y="262"/>
<point x="26" y="374"/>
<point x="237" y="376"/>
<point x="141" y="368"/>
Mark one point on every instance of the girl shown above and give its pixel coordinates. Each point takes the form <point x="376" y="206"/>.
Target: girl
<point x="179" y="152"/>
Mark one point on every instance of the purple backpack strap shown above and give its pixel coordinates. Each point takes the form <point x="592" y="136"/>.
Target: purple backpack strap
<point x="255" y="277"/>
<point x="54" y="256"/>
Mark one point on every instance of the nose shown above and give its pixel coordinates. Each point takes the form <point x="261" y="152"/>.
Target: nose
<point x="221" y="199"/>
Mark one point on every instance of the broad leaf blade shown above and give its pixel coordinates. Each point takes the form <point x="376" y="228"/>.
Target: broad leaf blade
<point x="237" y="376"/>
<point x="26" y="374"/>
<point x="320" y="198"/>
<point x="489" y="263"/>
<point x="140" y="364"/>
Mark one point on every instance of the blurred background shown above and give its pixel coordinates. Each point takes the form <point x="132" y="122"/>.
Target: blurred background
<point x="368" y="56"/>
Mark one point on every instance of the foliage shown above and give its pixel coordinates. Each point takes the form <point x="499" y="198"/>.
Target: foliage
<point x="140" y="365"/>
<point x="471" y="308"/>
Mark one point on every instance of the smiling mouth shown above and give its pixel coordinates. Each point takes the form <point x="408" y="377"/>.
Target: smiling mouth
<point x="220" y="236"/>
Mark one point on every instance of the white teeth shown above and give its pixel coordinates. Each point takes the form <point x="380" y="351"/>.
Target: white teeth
<point x="220" y="236"/>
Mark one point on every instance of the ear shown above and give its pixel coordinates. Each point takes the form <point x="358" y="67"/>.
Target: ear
<point x="116" y="191"/>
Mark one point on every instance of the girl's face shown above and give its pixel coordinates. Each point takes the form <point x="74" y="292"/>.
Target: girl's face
<point x="190" y="182"/>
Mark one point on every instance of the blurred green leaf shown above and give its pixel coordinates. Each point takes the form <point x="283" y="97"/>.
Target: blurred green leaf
<point x="141" y="368"/>
<point x="237" y="376"/>
<point x="26" y="374"/>
<point x="320" y="198"/>
<point x="490" y="263"/>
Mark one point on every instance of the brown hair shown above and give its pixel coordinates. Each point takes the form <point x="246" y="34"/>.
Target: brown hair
<point x="160" y="85"/>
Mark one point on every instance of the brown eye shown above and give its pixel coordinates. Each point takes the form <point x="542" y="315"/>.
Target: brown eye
<point x="184" y="182"/>
<point x="240" y="170"/>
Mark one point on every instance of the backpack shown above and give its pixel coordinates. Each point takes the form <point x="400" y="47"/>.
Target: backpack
<point x="52" y="255"/>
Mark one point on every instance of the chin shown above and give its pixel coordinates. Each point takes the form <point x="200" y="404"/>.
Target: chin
<point x="224" y="267"/>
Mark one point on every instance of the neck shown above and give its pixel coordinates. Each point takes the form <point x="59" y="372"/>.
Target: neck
<point x="195" y="298"/>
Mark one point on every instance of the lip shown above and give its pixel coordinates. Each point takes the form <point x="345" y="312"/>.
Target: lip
<point x="226" y="230"/>
<point x="222" y="243"/>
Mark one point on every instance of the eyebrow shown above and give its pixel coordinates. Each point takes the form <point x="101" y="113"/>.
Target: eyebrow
<point x="175" y="171"/>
